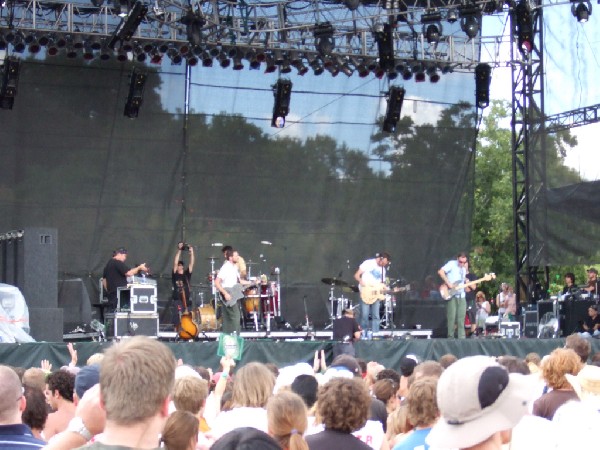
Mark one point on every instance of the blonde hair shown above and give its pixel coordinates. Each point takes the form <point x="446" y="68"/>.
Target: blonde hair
<point x="287" y="418"/>
<point x="136" y="377"/>
<point x="253" y="386"/>
<point x="189" y="394"/>
<point x="397" y="422"/>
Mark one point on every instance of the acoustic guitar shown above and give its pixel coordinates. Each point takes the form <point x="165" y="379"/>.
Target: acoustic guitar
<point x="370" y="293"/>
<point x="448" y="293"/>
<point x="188" y="328"/>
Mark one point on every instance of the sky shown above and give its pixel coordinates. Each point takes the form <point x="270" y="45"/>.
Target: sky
<point x="572" y="67"/>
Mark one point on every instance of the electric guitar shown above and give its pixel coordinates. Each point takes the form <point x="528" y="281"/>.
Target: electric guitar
<point x="447" y="293"/>
<point x="370" y="293"/>
<point x="236" y="292"/>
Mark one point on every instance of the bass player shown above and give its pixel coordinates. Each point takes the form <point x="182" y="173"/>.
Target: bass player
<point x="371" y="272"/>
<point x="454" y="273"/>
<point x="227" y="279"/>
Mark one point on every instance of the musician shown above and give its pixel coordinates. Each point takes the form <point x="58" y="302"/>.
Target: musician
<point x="241" y="263"/>
<point x="454" y="273"/>
<point x="228" y="277"/>
<point x="371" y="272"/>
<point x="346" y="330"/>
<point x="570" y="289"/>
<point x="180" y="279"/>
<point x="592" y="282"/>
<point x="115" y="275"/>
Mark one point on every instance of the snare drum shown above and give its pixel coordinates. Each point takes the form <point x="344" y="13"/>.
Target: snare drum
<point x="205" y="317"/>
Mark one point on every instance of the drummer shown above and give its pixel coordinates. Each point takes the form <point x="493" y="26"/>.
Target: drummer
<point x="240" y="264"/>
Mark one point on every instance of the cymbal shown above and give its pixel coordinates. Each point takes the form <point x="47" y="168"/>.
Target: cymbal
<point x="334" y="281"/>
<point x="212" y="257"/>
<point x="349" y="289"/>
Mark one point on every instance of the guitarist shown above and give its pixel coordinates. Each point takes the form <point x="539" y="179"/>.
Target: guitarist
<point x="454" y="273"/>
<point x="228" y="277"/>
<point x="180" y="279"/>
<point x="372" y="271"/>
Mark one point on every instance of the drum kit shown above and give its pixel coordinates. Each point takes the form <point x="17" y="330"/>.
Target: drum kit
<point x="260" y="304"/>
<point x="337" y="305"/>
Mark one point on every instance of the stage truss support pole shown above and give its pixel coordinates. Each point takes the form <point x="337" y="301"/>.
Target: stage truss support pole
<point x="528" y="151"/>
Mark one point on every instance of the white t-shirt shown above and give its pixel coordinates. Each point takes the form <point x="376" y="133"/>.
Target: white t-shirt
<point x="372" y="273"/>
<point x="239" y="417"/>
<point x="229" y="274"/>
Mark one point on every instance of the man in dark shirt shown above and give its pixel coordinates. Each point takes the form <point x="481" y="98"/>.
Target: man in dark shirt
<point x="181" y="282"/>
<point x="346" y="330"/>
<point x="591" y="323"/>
<point x="14" y="435"/>
<point x="115" y="274"/>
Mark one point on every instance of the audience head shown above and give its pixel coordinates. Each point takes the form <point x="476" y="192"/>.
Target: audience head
<point x="388" y="374"/>
<point x="136" y="378"/>
<point x="246" y="438"/>
<point x="12" y="401"/>
<point x="96" y="358"/>
<point x="189" y="394"/>
<point x="476" y="406"/>
<point x="87" y="377"/>
<point x="422" y="402"/>
<point x="385" y="390"/>
<point x="560" y="362"/>
<point x="397" y="421"/>
<point x="407" y="365"/>
<point x="447" y="360"/>
<point x="36" y="410"/>
<point x="181" y="431"/>
<point x="426" y="369"/>
<point x="579" y="345"/>
<point x="533" y="361"/>
<point x="35" y="377"/>
<point x="287" y="420"/>
<point x="253" y="385"/>
<point x="514" y="364"/>
<point x="61" y="384"/>
<point x="306" y="386"/>
<point x="343" y="404"/>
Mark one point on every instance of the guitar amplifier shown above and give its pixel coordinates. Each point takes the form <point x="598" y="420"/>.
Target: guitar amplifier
<point x="137" y="298"/>
<point x="510" y="330"/>
<point x="128" y="324"/>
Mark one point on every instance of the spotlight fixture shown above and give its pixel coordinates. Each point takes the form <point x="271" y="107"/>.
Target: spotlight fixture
<point x="128" y="24"/>
<point x="88" y="52"/>
<point x="394" y="108"/>
<point x="483" y="73"/>
<point x="207" y="60"/>
<point x="524" y="27"/>
<point x="237" y="63"/>
<point x="136" y="93"/>
<point x="582" y="11"/>
<point x="418" y="72"/>
<point x="352" y="5"/>
<point x="270" y="65"/>
<point x="433" y="74"/>
<point x="174" y="56"/>
<point x="432" y="33"/>
<point x="18" y="44"/>
<point x="52" y="48"/>
<point x="224" y="60"/>
<point x="362" y="70"/>
<point x="385" y="45"/>
<point x="492" y="6"/>
<point x="10" y="80"/>
<point x="470" y="15"/>
<point x="192" y="60"/>
<point x="451" y="16"/>
<point x="324" y="41"/>
<point x="105" y="54"/>
<point x="282" y="91"/>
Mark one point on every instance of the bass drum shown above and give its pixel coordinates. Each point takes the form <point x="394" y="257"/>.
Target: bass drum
<point x="206" y="318"/>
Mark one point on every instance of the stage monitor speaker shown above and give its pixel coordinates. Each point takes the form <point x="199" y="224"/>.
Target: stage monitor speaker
<point x="75" y="303"/>
<point x="30" y="262"/>
<point x="430" y="314"/>
<point x="530" y="325"/>
<point x="292" y="306"/>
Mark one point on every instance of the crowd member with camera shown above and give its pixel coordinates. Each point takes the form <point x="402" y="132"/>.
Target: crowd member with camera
<point x="181" y="281"/>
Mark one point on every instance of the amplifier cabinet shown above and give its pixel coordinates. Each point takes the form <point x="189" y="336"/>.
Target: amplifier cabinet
<point x="137" y="298"/>
<point x="125" y="324"/>
<point x="510" y="330"/>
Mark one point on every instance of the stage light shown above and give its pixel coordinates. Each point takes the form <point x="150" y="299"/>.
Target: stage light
<point x="282" y="91"/>
<point x="524" y="27"/>
<point x="451" y="16"/>
<point x="352" y="5"/>
<point x="163" y="47"/>
<point x="191" y="60"/>
<point x="155" y="57"/>
<point x="316" y="66"/>
<point x="392" y="74"/>
<point x="105" y="54"/>
<point x="136" y="93"/>
<point x="33" y="44"/>
<point x="207" y="60"/>
<point x="139" y="53"/>
<point x="362" y="70"/>
<point x="122" y="56"/>
<point x="10" y="81"/>
<point x="148" y="47"/>
<point x="61" y="41"/>
<point x="301" y="68"/>
<point x="18" y="44"/>
<point x="483" y="73"/>
<point x="128" y="24"/>
<point x="77" y="42"/>
<point x="324" y="41"/>
<point x="127" y="46"/>
<point x="394" y="108"/>
<point x="432" y="34"/>
<point x="419" y="72"/>
<point x="71" y="52"/>
<point x="174" y="56"/>
<point x="184" y="49"/>
<point x="224" y="60"/>
<point x="582" y="11"/>
<point x="470" y="26"/>
<point x="88" y="52"/>
<point x="433" y="74"/>
<point x="385" y="46"/>
<point x="270" y="65"/>
<point x="237" y="63"/>
<point x="51" y="48"/>
<point x="95" y="42"/>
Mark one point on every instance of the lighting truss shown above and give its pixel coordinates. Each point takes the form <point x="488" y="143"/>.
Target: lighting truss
<point x="285" y="25"/>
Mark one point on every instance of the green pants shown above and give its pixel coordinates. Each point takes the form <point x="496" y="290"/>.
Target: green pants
<point x="231" y="318"/>
<point x="456" y="308"/>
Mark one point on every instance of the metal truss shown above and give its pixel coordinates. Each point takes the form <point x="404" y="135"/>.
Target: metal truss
<point x="571" y="119"/>
<point x="283" y="25"/>
<point x="528" y="150"/>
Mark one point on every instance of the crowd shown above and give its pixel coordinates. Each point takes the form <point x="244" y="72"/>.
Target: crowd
<point x="136" y="395"/>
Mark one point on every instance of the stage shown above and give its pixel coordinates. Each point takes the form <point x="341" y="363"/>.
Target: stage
<point x="286" y="351"/>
